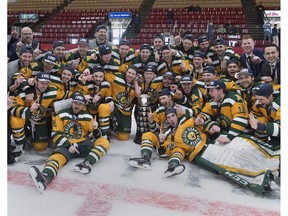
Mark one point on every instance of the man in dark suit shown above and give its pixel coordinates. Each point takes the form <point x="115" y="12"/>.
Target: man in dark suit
<point x="251" y="58"/>
<point x="270" y="70"/>
<point x="26" y="39"/>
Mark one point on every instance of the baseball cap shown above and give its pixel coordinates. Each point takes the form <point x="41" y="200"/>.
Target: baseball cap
<point x="124" y="42"/>
<point x="219" y="41"/>
<point x="243" y="71"/>
<point x="101" y="27"/>
<point x="26" y="49"/>
<point x="78" y="97"/>
<point x="51" y="58"/>
<point x="216" y="84"/>
<point x="159" y="36"/>
<point x="98" y="68"/>
<point x="169" y="111"/>
<point x="164" y="91"/>
<point x="189" y="37"/>
<point x="149" y="68"/>
<point x="145" y="46"/>
<point x="199" y="54"/>
<point x="186" y="79"/>
<point x="209" y="69"/>
<point x="202" y="39"/>
<point x="57" y="44"/>
<point x="169" y="74"/>
<point x="232" y="61"/>
<point x="83" y="41"/>
<point x="69" y="68"/>
<point x="43" y="76"/>
<point x="264" y="89"/>
<point x="104" y="50"/>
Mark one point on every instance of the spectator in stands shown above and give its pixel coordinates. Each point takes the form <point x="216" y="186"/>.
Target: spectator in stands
<point x="260" y="9"/>
<point x="275" y="33"/>
<point x="100" y="38"/>
<point x="26" y="39"/>
<point x="230" y="29"/>
<point x="210" y="30"/>
<point x="227" y="25"/>
<point x="198" y="8"/>
<point x="221" y="29"/>
<point x="170" y="16"/>
<point x="237" y="29"/>
<point x="137" y="22"/>
<point x="270" y="70"/>
<point x="267" y="31"/>
<point x="251" y="58"/>
<point x="191" y="8"/>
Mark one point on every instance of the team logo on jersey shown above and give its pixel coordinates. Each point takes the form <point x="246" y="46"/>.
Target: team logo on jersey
<point x="72" y="130"/>
<point x="123" y="99"/>
<point x="191" y="136"/>
<point x="38" y="114"/>
<point x="224" y="121"/>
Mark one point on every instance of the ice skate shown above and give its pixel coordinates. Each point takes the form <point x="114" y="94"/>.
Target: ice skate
<point x="142" y="163"/>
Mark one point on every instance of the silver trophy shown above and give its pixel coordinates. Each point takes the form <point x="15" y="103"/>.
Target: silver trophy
<point x="143" y="109"/>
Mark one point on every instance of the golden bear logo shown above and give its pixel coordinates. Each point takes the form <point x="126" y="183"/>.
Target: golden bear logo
<point x="38" y="114"/>
<point x="191" y="136"/>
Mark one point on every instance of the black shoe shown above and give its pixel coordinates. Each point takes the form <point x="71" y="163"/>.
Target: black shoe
<point x="83" y="167"/>
<point x="142" y="163"/>
<point x="174" y="169"/>
<point x="40" y="180"/>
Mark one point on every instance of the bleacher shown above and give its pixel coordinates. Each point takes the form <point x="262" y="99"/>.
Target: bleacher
<point x="80" y="17"/>
<point x="34" y="5"/>
<point x="104" y="4"/>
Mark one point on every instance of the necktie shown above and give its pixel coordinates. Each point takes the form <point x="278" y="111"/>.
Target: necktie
<point x="250" y="62"/>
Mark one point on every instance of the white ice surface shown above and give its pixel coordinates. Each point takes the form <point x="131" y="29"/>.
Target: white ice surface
<point x="114" y="188"/>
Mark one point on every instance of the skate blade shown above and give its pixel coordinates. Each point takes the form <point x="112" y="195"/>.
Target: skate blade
<point x="144" y="166"/>
<point x="178" y="170"/>
<point x="82" y="171"/>
<point x="33" y="174"/>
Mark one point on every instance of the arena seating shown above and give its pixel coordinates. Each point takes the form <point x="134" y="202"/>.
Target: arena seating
<point x="81" y="16"/>
<point x="34" y="5"/>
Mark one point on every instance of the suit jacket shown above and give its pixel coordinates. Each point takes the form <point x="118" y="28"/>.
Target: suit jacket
<point x="266" y="71"/>
<point x="12" y="50"/>
<point x="255" y="67"/>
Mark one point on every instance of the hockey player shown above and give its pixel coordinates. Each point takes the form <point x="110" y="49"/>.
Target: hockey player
<point x="268" y="120"/>
<point x="76" y="57"/>
<point x="169" y="62"/>
<point x="189" y="95"/>
<point x="185" y="45"/>
<point x="103" y="56"/>
<point x="70" y="132"/>
<point x="124" y="89"/>
<point x="124" y="53"/>
<point x="144" y="58"/>
<point x="157" y="123"/>
<point x="180" y="138"/>
<point x="221" y="56"/>
<point x="150" y="86"/>
<point x="226" y="114"/>
<point x="33" y="114"/>
<point x="97" y="96"/>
